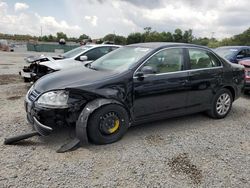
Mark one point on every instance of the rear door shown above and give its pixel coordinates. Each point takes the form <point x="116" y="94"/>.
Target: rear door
<point x="205" y="77"/>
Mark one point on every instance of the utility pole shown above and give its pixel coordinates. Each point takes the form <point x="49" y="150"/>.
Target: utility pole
<point x="41" y="31"/>
<point x="212" y="35"/>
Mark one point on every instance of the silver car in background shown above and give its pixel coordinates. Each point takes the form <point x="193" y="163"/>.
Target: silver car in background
<point x="42" y="65"/>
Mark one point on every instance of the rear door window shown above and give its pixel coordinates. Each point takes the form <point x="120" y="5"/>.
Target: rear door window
<point x="200" y="59"/>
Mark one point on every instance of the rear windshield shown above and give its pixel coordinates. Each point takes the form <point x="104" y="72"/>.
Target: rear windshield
<point x="226" y="52"/>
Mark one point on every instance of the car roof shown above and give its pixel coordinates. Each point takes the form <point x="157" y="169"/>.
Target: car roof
<point x="99" y="45"/>
<point x="155" y="45"/>
<point x="233" y="47"/>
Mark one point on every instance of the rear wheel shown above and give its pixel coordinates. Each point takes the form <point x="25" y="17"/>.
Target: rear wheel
<point x="107" y="124"/>
<point x="221" y="104"/>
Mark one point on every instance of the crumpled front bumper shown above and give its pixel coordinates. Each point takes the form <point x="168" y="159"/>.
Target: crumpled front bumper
<point x="42" y="129"/>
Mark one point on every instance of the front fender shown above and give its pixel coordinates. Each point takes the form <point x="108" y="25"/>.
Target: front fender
<point x="81" y="124"/>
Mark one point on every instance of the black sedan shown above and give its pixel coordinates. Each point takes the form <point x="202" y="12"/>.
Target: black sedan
<point x="134" y="84"/>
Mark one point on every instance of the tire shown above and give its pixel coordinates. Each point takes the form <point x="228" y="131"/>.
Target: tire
<point x="107" y="115"/>
<point x="216" y="110"/>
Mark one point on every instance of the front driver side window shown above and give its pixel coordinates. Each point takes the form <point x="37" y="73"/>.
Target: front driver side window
<point x="165" y="61"/>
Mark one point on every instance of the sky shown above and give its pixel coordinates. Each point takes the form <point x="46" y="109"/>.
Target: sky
<point x="96" y="18"/>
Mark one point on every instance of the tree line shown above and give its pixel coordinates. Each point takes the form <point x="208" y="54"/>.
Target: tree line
<point x="148" y="35"/>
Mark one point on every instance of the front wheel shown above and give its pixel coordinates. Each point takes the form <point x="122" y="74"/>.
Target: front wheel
<point x="221" y="104"/>
<point x="107" y="124"/>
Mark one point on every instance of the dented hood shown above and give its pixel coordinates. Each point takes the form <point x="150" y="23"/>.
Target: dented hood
<point x="81" y="78"/>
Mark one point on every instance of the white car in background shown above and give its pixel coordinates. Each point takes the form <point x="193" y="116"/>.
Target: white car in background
<point x="42" y="65"/>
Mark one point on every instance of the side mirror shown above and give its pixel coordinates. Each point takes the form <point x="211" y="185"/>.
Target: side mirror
<point x="239" y="56"/>
<point x="144" y="71"/>
<point x="148" y="70"/>
<point x="83" y="58"/>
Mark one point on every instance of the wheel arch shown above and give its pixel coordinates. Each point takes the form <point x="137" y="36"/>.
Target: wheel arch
<point x="90" y="107"/>
<point x="232" y="90"/>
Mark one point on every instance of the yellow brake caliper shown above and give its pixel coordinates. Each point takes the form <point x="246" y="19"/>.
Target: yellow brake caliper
<point x="116" y="126"/>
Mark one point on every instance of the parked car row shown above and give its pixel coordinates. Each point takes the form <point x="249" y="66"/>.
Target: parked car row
<point x="238" y="55"/>
<point x="234" y="54"/>
<point x="130" y="85"/>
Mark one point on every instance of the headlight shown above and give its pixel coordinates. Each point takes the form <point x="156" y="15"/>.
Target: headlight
<point x="54" y="99"/>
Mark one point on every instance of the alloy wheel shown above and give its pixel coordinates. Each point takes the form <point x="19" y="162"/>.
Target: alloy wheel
<point x="223" y="104"/>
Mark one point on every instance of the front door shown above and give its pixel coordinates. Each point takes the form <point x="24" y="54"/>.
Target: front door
<point x="163" y="92"/>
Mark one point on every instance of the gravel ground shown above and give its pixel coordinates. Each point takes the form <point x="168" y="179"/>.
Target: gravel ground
<point x="190" y="151"/>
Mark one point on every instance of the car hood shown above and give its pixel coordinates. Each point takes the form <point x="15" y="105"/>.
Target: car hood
<point x="72" y="78"/>
<point x="63" y="64"/>
<point x="42" y="58"/>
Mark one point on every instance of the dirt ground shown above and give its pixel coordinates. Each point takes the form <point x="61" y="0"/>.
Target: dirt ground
<point x="190" y="151"/>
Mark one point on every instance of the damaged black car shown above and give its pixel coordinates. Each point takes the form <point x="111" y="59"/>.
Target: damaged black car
<point x="132" y="85"/>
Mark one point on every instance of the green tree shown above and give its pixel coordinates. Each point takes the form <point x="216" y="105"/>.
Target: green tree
<point x="61" y="35"/>
<point x="109" y="37"/>
<point x="73" y="39"/>
<point x="83" y="36"/>
<point x="45" y="38"/>
<point x="201" y="41"/>
<point x="148" y="29"/>
<point x="153" y="37"/>
<point x="167" y="37"/>
<point x="187" y="36"/>
<point x="51" y="38"/>
<point x="177" y="35"/>
<point x="134" y="38"/>
<point x="120" y="40"/>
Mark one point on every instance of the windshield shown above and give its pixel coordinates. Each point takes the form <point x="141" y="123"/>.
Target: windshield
<point x="226" y="52"/>
<point x="121" y="59"/>
<point x="76" y="51"/>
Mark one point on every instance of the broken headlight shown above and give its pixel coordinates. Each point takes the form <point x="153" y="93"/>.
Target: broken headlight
<point x="54" y="99"/>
